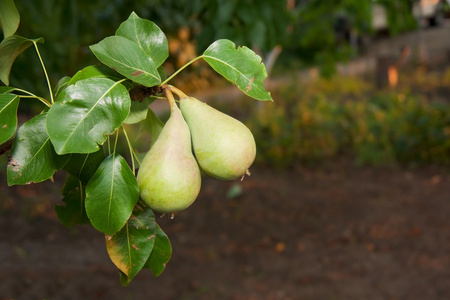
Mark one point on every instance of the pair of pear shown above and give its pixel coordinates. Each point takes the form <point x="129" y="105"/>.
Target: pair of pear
<point x="169" y="177"/>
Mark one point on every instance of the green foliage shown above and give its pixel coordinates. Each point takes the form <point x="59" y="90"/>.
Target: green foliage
<point x="399" y="15"/>
<point x="223" y="57"/>
<point x="346" y="117"/>
<point x="73" y="211"/>
<point x="111" y="194"/>
<point x="85" y="113"/>
<point x="10" y="48"/>
<point x="162" y="251"/>
<point x="134" y="62"/>
<point x="130" y="247"/>
<point x="8" y="116"/>
<point x="33" y="158"/>
<point x="9" y="17"/>
<point x="83" y="166"/>
<point x="72" y="133"/>
<point x="261" y="23"/>
<point x="148" y="36"/>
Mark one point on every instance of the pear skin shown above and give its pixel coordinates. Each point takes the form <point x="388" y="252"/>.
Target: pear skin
<point x="169" y="177"/>
<point x="224" y="147"/>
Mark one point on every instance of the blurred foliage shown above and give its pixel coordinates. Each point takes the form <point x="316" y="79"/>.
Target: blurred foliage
<point x="69" y="27"/>
<point x="399" y="15"/>
<point x="320" y="33"/>
<point x="325" y="119"/>
<point x="308" y="30"/>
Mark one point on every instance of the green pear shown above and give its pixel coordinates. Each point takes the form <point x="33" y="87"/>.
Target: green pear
<point x="169" y="177"/>
<point x="224" y="147"/>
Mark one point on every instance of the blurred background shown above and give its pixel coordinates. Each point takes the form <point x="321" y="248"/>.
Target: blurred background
<point x="349" y="195"/>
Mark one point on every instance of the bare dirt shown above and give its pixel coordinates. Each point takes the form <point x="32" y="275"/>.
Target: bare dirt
<point x="333" y="232"/>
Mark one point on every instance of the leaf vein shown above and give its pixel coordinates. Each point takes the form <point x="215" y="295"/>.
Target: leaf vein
<point x="134" y="68"/>
<point x="10" y="103"/>
<point x="32" y="158"/>
<point x="84" y="118"/>
<point x="112" y="190"/>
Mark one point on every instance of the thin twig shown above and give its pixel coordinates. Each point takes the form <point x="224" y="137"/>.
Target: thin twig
<point x="140" y="92"/>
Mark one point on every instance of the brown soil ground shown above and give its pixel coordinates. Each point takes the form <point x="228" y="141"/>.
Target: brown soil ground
<point x="337" y="232"/>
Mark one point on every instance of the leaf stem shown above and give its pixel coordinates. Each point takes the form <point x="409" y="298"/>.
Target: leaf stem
<point x="109" y="146"/>
<point x="31" y="95"/>
<point x="181" y="69"/>
<point x="38" y="98"/>
<point x="115" y="143"/>
<point x="122" y="80"/>
<point x="131" y="149"/>
<point x="45" y="71"/>
<point x="137" y="158"/>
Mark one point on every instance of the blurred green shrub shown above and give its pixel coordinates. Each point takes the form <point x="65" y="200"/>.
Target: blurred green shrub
<point x="309" y="123"/>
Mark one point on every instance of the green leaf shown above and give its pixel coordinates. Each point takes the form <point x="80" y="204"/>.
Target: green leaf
<point x="111" y="195"/>
<point x="130" y="248"/>
<point x="9" y="17"/>
<point x="85" y="113"/>
<point x="95" y="71"/>
<point x="6" y="89"/>
<point x="153" y="125"/>
<point x="73" y="212"/>
<point x="240" y="66"/>
<point x="147" y="35"/>
<point x="162" y="73"/>
<point x="33" y="158"/>
<point x="161" y="254"/>
<point x="10" y="48"/>
<point x="124" y="279"/>
<point x="127" y="58"/>
<point x="69" y="185"/>
<point x="8" y="116"/>
<point x="61" y="85"/>
<point x="84" y="166"/>
<point x="138" y="111"/>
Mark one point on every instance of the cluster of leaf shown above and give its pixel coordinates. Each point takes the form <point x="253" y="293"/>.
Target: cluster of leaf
<point x="73" y="132"/>
<point x="346" y="117"/>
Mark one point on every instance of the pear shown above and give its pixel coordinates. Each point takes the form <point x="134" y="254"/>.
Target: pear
<point x="224" y="147"/>
<point x="169" y="177"/>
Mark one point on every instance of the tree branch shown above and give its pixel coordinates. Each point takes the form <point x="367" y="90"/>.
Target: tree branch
<point x="140" y="92"/>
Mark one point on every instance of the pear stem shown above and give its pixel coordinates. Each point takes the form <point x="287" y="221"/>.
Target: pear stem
<point x="176" y="91"/>
<point x="171" y="99"/>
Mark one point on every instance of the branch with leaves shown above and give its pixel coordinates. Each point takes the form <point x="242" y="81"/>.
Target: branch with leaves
<point x="83" y="117"/>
